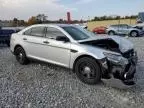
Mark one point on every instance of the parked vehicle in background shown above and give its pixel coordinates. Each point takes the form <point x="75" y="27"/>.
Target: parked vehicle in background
<point x="140" y="18"/>
<point x="124" y="29"/>
<point x="100" y="30"/>
<point x="139" y="26"/>
<point x="5" y="34"/>
<point x="83" y="25"/>
<point x="91" y="57"/>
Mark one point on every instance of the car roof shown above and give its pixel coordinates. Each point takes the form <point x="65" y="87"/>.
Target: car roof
<point x="59" y="25"/>
<point x="118" y="24"/>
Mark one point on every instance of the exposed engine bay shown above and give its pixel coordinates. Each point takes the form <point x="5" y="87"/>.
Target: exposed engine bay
<point x="108" y="44"/>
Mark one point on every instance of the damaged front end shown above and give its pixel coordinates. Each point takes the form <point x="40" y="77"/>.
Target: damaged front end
<point x="117" y="68"/>
<point x="121" y="70"/>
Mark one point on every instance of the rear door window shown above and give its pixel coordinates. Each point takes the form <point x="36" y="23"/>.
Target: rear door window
<point x="27" y="32"/>
<point x="37" y="31"/>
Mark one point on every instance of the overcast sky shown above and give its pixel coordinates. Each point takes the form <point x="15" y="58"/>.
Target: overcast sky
<point x="56" y="9"/>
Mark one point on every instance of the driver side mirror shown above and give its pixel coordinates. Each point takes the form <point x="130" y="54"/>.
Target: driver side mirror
<point x="62" y="38"/>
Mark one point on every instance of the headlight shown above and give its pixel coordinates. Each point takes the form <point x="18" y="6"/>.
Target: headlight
<point x="118" y="59"/>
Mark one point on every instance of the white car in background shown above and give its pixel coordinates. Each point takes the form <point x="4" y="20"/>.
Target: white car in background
<point x="83" y="25"/>
<point x="139" y="26"/>
<point x="124" y="29"/>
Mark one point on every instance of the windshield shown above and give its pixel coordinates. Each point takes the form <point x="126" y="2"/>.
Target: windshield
<point x="77" y="33"/>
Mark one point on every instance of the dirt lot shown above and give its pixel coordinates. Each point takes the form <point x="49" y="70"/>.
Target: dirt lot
<point x="40" y="85"/>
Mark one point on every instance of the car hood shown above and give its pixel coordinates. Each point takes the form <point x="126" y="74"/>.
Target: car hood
<point x="124" y="44"/>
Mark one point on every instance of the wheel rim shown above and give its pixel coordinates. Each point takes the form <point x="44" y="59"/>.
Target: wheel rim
<point x="20" y="56"/>
<point x="87" y="70"/>
<point x="111" y="33"/>
<point x="134" y="34"/>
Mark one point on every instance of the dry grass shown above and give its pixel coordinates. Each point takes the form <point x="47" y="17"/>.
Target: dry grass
<point x="93" y="24"/>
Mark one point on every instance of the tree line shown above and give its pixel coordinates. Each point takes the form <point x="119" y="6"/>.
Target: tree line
<point x="42" y="18"/>
<point x="39" y="19"/>
<point x="102" y="18"/>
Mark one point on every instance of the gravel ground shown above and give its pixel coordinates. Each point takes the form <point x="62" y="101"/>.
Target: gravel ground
<point x="41" y="85"/>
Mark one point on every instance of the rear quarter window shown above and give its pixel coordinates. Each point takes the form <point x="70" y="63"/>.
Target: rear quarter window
<point x="27" y="32"/>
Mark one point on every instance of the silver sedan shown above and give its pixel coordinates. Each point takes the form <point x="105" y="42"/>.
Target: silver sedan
<point x="91" y="57"/>
<point x="124" y="29"/>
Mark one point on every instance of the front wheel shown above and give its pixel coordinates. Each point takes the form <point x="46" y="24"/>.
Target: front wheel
<point x="95" y="32"/>
<point x="134" y="34"/>
<point x="88" y="70"/>
<point x="21" y="56"/>
<point x="111" y="33"/>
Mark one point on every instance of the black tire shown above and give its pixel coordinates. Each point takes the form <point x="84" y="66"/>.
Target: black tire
<point x="82" y="71"/>
<point x="95" y="33"/>
<point x="21" y="56"/>
<point x="111" y="33"/>
<point x="134" y="34"/>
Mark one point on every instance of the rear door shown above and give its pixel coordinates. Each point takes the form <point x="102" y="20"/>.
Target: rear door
<point x="34" y="42"/>
<point x="116" y="28"/>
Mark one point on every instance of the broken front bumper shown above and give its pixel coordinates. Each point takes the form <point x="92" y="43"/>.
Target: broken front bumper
<point x="120" y="75"/>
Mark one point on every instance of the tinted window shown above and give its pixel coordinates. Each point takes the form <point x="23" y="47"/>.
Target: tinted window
<point x="114" y="26"/>
<point x="37" y="31"/>
<point x="123" y="26"/>
<point x="52" y="33"/>
<point x="77" y="33"/>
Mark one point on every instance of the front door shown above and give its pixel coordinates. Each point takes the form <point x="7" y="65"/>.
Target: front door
<point x="57" y="52"/>
<point x="123" y="29"/>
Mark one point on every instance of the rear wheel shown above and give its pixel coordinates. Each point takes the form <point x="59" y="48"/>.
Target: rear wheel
<point x="134" y="34"/>
<point x="21" y="56"/>
<point x="111" y="33"/>
<point x="88" y="70"/>
<point x="95" y="32"/>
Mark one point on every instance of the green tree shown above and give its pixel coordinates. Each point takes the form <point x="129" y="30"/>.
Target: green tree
<point x="15" y="22"/>
<point x="41" y="18"/>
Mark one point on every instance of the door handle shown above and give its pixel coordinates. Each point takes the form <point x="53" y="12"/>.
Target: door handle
<point x="46" y="42"/>
<point x="24" y="38"/>
<point x="51" y="38"/>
